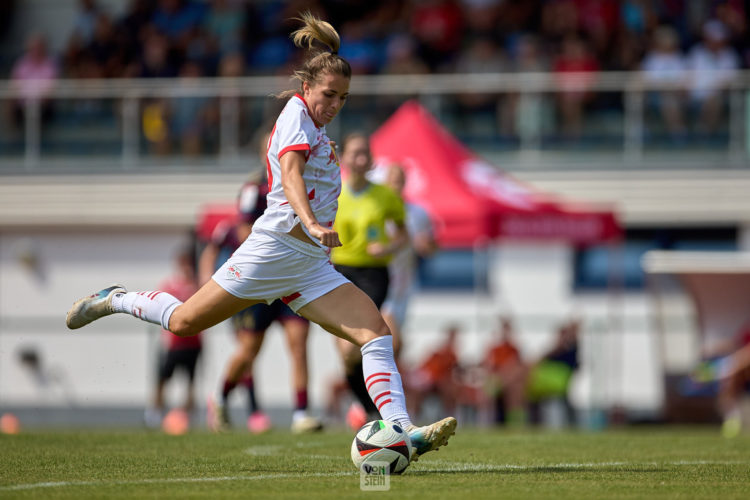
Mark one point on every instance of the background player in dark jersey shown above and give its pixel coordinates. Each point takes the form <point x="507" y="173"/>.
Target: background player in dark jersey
<point x="251" y="324"/>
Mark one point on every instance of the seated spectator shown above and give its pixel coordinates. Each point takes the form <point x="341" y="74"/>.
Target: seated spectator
<point x="506" y="376"/>
<point x="665" y="64"/>
<point x="359" y="47"/>
<point x="524" y="116"/>
<point x="224" y="22"/>
<point x="156" y="60"/>
<point x="436" y="375"/>
<point x="482" y="55"/>
<point x="189" y="116"/>
<point x="549" y="377"/>
<point x="714" y="65"/>
<point x="85" y="21"/>
<point x="575" y="70"/>
<point x="176" y="19"/>
<point x="33" y="75"/>
<point x="402" y="58"/>
<point x="438" y="27"/>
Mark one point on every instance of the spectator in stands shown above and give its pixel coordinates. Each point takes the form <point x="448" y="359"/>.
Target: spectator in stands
<point x="525" y="116"/>
<point x="401" y="57"/>
<point x="437" y="374"/>
<point x="104" y="49"/>
<point x="190" y="117"/>
<point x="506" y="376"/>
<point x="483" y="17"/>
<point x="438" y="27"/>
<point x="549" y="377"/>
<point x="131" y="33"/>
<point x="177" y="352"/>
<point x="224" y="22"/>
<point x="713" y="63"/>
<point x="177" y="19"/>
<point x="85" y="21"/>
<point x="482" y="55"/>
<point x="559" y="19"/>
<point x="575" y="69"/>
<point x="33" y="76"/>
<point x="156" y="58"/>
<point x="359" y="47"/>
<point x="665" y="64"/>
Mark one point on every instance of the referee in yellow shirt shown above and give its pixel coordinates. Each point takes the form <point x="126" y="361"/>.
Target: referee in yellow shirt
<point x="364" y="210"/>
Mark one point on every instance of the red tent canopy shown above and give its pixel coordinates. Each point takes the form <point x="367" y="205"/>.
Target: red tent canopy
<point x="469" y="199"/>
<point x="211" y="214"/>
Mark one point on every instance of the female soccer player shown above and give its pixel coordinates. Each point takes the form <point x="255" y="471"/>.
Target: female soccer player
<point x="286" y="255"/>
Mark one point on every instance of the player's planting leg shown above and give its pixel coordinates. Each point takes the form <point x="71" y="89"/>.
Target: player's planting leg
<point x="383" y="382"/>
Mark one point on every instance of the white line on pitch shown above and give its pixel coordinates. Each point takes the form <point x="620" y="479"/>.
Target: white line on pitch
<point x="280" y="475"/>
<point x="442" y="466"/>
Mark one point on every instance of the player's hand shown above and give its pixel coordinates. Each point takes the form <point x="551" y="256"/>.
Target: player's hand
<point x="327" y="237"/>
<point x="377" y="249"/>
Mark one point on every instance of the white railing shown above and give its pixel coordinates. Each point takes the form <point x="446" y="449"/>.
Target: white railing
<point x="431" y="89"/>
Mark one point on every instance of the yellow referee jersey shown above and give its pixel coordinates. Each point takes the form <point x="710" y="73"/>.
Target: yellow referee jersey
<point x="361" y="219"/>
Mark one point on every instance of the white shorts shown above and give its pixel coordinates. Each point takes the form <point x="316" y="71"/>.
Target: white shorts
<point x="269" y="266"/>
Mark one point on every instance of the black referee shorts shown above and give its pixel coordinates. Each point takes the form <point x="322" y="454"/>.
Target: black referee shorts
<point x="371" y="280"/>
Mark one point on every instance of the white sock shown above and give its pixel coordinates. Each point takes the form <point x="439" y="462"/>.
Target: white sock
<point x="154" y="306"/>
<point x="383" y="380"/>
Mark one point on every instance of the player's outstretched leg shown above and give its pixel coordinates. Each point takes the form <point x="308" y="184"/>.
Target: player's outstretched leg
<point x="430" y="437"/>
<point x="93" y="307"/>
<point x="152" y="306"/>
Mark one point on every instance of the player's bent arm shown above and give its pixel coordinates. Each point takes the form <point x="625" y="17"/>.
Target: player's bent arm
<point x="424" y="244"/>
<point x="292" y="167"/>
<point x="397" y="242"/>
<point x="400" y="239"/>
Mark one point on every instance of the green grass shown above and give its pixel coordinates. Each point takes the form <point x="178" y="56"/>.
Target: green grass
<point x="627" y="463"/>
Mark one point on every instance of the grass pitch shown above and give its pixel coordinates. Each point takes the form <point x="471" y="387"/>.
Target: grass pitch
<point x="627" y="463"/>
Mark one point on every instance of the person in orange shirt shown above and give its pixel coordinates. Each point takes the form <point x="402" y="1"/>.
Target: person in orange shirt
<point x="437" y="375"/>
<point x="506" y="376"/>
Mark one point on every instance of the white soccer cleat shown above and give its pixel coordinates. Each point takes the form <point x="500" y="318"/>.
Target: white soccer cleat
<point x="93" y="307"/>
<point x="306" y="424"/>
<point x="430" y="437"/>
<point x="217" y="416"/>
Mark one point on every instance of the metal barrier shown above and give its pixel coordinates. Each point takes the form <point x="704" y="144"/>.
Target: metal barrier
<point x="242" y="107"/>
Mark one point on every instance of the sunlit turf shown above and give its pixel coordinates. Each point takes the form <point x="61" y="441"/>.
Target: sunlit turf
<point x="654" y="462"/>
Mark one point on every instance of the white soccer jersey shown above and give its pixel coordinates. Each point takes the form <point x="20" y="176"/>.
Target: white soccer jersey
<point x="295" y="130"/>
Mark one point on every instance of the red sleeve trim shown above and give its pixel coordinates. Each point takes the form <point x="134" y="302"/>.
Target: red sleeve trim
<point x="296" y="147"/>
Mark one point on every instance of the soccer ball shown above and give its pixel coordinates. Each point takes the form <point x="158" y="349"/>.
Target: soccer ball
<point x="381" y="441"/>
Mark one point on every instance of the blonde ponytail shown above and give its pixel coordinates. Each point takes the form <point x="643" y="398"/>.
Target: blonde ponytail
<point x="315" y="29"/>
<point x="319" y="62"/>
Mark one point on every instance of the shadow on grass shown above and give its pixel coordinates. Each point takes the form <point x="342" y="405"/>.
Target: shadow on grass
<point x="537" y="470"/>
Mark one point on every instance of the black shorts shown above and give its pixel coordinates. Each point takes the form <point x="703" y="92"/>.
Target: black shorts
<point x="258" y="318"/>
<point x="186" y="359"/>
<point x="371" y="280"/>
